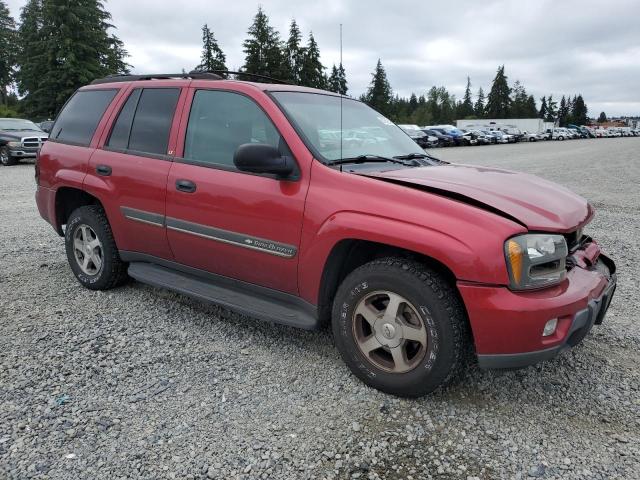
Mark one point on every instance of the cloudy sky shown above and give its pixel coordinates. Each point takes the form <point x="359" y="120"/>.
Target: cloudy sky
<point x="552" y="47"/>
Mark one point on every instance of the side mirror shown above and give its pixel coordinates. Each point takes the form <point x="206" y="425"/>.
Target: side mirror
<point x="262" y="158"/>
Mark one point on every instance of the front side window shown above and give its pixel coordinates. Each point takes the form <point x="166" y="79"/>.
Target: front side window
<point x="360" y="130"/>
<point x="219" y="122"/>
<point x="144" y="123"/>
<point x="80" y="117"/>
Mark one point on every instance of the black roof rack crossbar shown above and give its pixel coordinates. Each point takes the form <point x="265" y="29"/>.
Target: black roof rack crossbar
<point x="246" y="74"/>
<point x="194" y="75"/>
<point x="157" y="76"/>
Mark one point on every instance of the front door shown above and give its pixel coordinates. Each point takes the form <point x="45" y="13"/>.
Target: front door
<point x="239" y="225"/>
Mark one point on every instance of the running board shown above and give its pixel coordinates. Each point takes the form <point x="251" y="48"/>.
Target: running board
<point x="251" y="300"/>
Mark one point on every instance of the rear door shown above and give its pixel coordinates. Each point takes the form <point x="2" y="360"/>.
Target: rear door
<point x="129" y="170"/>
<point x="239" y="225"/>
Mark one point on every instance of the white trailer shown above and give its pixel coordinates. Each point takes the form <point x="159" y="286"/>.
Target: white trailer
<point x="525" y="125"/>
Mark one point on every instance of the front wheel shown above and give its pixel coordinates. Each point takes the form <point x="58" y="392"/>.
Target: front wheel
<point x="400" y="327"/>
<point x="5" y="158"/>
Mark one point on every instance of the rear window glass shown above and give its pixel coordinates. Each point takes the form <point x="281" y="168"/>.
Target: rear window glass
<point x="152" y="120"/>
<point x="80" y="117"/>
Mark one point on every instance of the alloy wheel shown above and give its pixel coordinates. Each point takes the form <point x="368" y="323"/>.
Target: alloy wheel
<point x="389" y="332"/>
<point x="87" y="250"/>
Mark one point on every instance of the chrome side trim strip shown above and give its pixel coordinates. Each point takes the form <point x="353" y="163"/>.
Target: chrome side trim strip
<point x="232" y="238"/>
<point x="142" y="216"/>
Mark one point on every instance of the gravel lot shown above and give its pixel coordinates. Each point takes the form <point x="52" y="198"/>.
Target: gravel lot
<point x="144" y="383"/>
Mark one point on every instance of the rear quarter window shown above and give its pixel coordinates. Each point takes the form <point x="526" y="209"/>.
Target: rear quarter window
<point x="79" y="118"/>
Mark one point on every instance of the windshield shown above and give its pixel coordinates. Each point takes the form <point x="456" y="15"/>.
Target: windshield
<point x="17" y="124"/>
<point x="364" y="131"/>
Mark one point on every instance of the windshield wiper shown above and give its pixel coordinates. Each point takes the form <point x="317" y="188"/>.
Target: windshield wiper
<point x="412" y="156"/>
<point x="369" y="158"/>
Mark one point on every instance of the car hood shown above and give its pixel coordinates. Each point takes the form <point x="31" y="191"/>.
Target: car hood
<point x="536" y="203"/>
<point x="13" y="135"/>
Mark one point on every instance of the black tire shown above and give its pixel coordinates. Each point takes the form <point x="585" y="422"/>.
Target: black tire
<point x="441" y="312"/>
<point x="6" y="159"/>
<point x="113" y="271"/>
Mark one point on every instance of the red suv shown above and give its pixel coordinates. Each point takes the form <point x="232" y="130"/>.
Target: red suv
<point x="245" y="194"/>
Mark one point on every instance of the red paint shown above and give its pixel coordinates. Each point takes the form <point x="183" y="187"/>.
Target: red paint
<point x="324" y="207"/>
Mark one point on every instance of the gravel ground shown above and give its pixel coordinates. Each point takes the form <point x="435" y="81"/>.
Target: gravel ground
<point x="144" y="383"/>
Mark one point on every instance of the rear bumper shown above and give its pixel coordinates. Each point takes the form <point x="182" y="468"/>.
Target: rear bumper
<point x="507" y="326"/>
<point x="46" y="202"/>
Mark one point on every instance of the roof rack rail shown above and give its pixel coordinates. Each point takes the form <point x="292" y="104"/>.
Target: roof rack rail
<point x="158" y="76"/>
<point x="246" y="74"/>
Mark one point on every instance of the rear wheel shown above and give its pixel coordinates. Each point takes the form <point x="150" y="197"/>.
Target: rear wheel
<point x="400" y="327"/>
<point x="5" y="158"/>
<point x="91" y="249"/>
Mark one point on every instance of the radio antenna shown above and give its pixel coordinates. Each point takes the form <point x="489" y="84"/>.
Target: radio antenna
<point x="340" y="92"/>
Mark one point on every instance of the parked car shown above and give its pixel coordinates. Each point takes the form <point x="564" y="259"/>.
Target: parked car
<point x="46" y="126"/>
<point x="470" y="138"/>
<point x="560" y="134"/>
<point x="19" y="139"/>
<point x="484" y="138"/>
<point x="419" y="136"/>
<point x="531" y="137"/>
<point x="502" y="137"/>
<point x="513" y="132"/>
<point x="223" y="190"/>
<point x="454" y="133"/>
<point x="490" y="135"/>
<point x="444" y="140"/>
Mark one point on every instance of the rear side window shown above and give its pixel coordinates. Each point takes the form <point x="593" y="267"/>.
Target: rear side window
<point x="80" y="117"/>
<point x="220" y="122"/>
<point x="119" y="137"/>
<point x="144" y="123"/>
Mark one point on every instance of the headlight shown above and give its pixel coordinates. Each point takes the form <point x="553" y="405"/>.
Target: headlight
<point x="14" y="144"/>
<point x="535" y="260"/>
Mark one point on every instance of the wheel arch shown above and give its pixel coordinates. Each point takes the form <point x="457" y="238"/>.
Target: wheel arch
<point x="67" y="200"/>
<point x="349" y="254"/>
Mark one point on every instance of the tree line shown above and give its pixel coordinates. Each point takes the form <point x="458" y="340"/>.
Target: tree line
<point x="438" y="106"/>
<point x="60" y="45"/>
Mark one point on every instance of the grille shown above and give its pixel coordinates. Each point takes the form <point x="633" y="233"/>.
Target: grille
<point x="573" y="239"/>
<point x="33" y="142"/>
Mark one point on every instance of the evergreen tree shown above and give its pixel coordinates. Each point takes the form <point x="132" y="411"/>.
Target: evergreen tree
<point x="552" y="109"/>
<point x="263" y="53"/>
<point x="332" y="82"/>
<point x="542" y="113"/>
<point x="342" y="80"/>
<point x="563" y="112"/>
<point x="412" y="104"/>
<point x="602" y="118"/>
<point x="580" y="111"/>
<point x="530" y="108"/>
<point x="519" y="101"/>
<point x="212" y="58"/>
<point x="479" y="107"/>
<point x="466" y="109"/>
<point x="379" y="93"/>
<point x="312" y="72"/>
<point x="294" y="54"/>
<point x="8" y="47"/>
<point x="65" y="45"/>
<point x="30" y="53"/>
<point x="115" y="59"/>
<point x="499" y="100"/>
